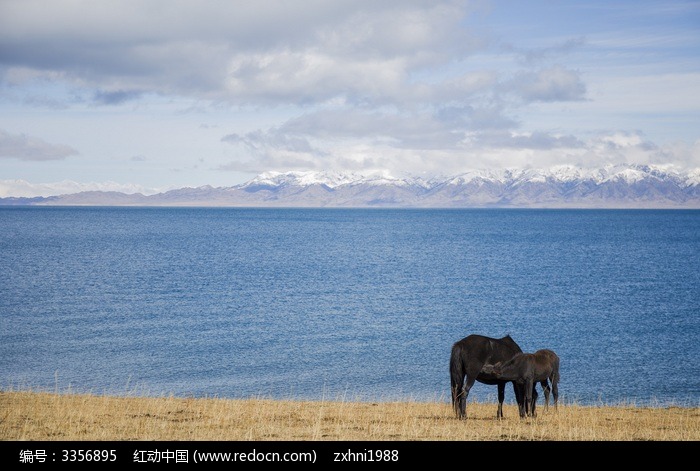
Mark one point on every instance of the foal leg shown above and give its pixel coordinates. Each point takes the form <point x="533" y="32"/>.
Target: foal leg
<point x="527" y="400"/>
<point x="546" y="389"/>
<point x="518" y="390"/>
<point x="534" y="400"/>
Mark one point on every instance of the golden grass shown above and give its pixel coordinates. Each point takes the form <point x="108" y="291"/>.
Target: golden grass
<point x="37" y="416"/>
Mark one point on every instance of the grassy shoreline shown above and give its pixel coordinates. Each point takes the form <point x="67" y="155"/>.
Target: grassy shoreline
<point x="38" y="416"/>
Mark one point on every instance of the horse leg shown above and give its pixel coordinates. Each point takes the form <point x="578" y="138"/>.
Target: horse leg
<point x="456" y="394"/>
<point x="459" y="400"/>
<point x="465" y="393"/>
<point x="501" y="398"/>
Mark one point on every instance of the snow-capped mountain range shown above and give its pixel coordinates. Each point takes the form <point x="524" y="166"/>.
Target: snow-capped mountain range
<point x="564" y="173"/>
<point x="623" y="186"/>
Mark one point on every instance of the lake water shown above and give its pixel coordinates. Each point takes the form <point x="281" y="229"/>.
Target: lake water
<point x="353" y="304"/>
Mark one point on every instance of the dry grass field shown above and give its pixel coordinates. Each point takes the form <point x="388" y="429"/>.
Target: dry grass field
<point x="29" y="416"/>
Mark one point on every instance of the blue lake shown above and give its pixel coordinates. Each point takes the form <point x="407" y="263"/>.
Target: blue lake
<point x="351" y="304"/>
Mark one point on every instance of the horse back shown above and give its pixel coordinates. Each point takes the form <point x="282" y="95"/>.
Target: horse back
<point x="546" y="363"/>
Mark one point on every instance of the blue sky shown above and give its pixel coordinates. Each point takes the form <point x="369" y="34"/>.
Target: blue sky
<point x="149" y="95"/>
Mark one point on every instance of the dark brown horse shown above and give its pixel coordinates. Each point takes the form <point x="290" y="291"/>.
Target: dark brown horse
<point x="528" y="369"/>
<point x="468" y="357"/>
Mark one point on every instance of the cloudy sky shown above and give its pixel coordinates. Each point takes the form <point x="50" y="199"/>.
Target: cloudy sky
<point x="149" y="95"/>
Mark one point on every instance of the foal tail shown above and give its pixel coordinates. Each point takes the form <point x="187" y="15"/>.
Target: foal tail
<point x="457" y="372"/>
<point x="555" y="381"/>
<point x="555" y="371"/>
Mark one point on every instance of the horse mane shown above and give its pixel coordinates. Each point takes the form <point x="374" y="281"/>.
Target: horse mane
<point x="508" y="340"/>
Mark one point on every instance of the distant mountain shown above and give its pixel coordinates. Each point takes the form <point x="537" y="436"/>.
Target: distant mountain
<point x="621" y="186"/>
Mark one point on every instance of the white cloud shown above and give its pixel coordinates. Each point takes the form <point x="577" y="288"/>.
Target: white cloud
<point x="262" y="51"/>
<point x="307" y="78"/>
<point x="23" y="147"/>
<point x="551" y="84"/>
<point x="421" y="144"/>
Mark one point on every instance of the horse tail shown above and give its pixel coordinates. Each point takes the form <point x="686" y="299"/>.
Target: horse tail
<point x="457" y="372"/>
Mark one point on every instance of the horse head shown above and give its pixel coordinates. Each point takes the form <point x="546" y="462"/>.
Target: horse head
<point x="494" y="369"/>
